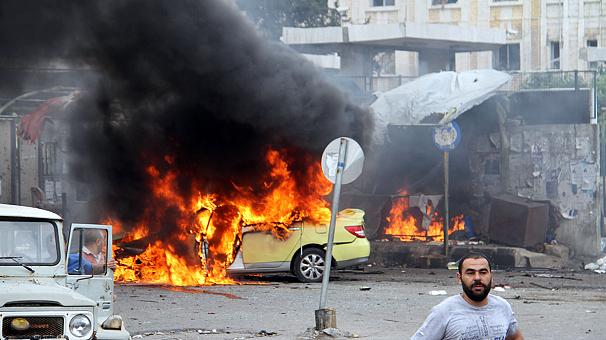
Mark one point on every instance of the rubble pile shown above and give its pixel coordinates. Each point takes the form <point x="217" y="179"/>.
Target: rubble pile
<point x="599" y="266"/>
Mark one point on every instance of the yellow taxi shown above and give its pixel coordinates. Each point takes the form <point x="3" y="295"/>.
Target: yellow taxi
<point x="302" y="251"/>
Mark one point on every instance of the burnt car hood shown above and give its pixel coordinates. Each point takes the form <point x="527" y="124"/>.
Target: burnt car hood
<point x="16" y="293"/>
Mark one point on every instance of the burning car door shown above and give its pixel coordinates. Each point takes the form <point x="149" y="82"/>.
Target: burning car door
<point x="89" y="250"/>
<point x="264" y="249"/>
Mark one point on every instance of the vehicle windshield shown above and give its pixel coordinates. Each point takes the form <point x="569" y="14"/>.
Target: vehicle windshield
<point x="28" y="242"/>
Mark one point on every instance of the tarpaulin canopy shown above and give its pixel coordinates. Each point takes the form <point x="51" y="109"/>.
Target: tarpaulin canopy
<point x="435" y="98"/>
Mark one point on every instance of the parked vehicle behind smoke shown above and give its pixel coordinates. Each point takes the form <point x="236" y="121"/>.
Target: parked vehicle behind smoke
<point x="303" y="251"/>
<point x="40" y="298"/>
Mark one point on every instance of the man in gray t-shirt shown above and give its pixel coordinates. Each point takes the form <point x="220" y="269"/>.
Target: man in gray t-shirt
<point x="474" y="314"/>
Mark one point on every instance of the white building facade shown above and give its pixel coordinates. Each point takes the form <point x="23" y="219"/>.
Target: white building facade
<point x="540" y="34"/>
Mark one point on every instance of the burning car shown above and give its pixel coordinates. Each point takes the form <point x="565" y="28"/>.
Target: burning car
<point x="41" y="297"/>
<point x="301" y="248"/>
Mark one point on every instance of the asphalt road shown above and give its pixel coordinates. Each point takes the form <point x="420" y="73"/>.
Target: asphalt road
<point x="548" y="305"/>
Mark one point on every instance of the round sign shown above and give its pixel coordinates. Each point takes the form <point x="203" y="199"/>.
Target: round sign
<point x="351" y="167"/>
<point x="447" y="136"/>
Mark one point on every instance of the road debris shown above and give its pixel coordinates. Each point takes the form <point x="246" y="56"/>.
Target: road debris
<point x="265" y="333"/>
<point x="312" y="333"/>
<point x="335" y="333"/>
<point x="437" y="292"/>
<point x="541" y="286"/>
<point x="365" y="288"/>
<point x="598" y="266"/>
<point x="551" y="276"/>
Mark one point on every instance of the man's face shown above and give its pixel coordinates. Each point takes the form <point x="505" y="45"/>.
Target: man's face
<point x="476" y="278"/>
<point x="98" y="246"/>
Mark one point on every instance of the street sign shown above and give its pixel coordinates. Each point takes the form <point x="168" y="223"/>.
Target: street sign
<point x="342" y="163"/>
<point x="354" y="160"/>
<point x="447" y="136"/>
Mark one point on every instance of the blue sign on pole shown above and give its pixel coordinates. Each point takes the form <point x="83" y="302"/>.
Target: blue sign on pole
<point x="447" y="136"/>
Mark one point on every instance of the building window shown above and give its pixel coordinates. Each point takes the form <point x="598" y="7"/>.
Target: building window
<point x="49" y="159"/>
<point x="384" y="63"/>
<point x="554" y="55"/>
<point x="443" y="2"/>
<point x="377" y="3"/>
<point x="592" y="43"/>
<point x="509" y="57"/>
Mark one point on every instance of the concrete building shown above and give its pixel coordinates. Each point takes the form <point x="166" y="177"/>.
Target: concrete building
<point x="550" y="150"/>
<point x="34" y="171"/>
<point x="411" y="38"/>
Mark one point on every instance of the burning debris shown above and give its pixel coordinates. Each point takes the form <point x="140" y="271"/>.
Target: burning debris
<point x="415" y="218"/>
<point x="193" y="128"/>
<point x="216" y="221"/>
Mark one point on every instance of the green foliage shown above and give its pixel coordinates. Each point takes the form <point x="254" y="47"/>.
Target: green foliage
<point x="601" y="93"/>
<point x="601" y="88"/>
<point x="553" y="80"/>
<point x="271" y="15"/>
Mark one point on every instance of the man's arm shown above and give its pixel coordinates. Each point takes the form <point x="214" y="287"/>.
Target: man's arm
<point x="515" y="336"/>
<point x="434" y="326"/>
<point x="74" y="266"/>
<point x="513" y="331"/>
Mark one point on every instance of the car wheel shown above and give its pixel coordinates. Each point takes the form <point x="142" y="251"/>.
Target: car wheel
<point x="309" y="266"/>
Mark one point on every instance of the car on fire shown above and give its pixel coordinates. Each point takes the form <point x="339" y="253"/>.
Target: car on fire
<point x="302" y="251"/>
<point x="40" y="298"/>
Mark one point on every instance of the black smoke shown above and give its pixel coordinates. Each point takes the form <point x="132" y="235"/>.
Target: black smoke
<point x="192" y="80"/>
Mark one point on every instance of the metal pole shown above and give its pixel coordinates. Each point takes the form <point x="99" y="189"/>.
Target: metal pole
<point x="15" y="164"/>
<point x="446" y="216"/>
<point x="13" y="160"/>
<point x="333" y="220"/>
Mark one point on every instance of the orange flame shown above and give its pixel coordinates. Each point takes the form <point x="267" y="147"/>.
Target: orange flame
<point x="214" y="221"/>
<point x="404" y="225"/>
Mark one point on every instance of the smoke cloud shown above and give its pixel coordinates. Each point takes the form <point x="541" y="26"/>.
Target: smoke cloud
<point x="183" y="84"/>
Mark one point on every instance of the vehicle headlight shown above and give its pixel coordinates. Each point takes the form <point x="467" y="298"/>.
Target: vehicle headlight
<point x="20" y="324"/>
<point x="80" y="325"/>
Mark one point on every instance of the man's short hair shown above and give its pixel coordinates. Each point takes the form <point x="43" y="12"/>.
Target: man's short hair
<point x="92" y="235"/>
<point x="473" y="256"/>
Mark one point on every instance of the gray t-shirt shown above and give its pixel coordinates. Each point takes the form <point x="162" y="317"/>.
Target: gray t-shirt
<point x="455" y="318"/>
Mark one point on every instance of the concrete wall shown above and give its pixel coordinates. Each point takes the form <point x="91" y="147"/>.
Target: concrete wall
<point x="549" y="162"/>
<point x="51" y="177"/>
<point x="560" y="163"/>
<point x="28" y="174"/>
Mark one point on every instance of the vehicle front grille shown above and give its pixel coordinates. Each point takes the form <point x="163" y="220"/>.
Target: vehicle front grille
<point x="39" y="327"/>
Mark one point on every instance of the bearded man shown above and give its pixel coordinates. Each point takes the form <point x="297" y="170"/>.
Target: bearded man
<point x="474" y="314"/>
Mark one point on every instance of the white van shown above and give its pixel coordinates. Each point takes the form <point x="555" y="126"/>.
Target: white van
<point x="39" y="297"/>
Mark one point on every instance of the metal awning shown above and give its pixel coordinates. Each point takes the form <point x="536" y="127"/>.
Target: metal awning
<point x="440" y="96"/>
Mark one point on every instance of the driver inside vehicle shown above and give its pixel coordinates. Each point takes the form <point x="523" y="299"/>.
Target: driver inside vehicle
<point x="91" y="259"/>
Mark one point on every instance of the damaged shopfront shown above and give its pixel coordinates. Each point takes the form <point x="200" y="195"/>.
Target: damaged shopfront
<point x="524" y="178"/>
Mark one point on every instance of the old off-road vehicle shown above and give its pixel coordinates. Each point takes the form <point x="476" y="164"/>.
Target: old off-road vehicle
<point x="47" y="292"/>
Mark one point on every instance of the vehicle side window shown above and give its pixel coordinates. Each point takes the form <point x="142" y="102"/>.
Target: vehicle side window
<point x="88" y="252"/>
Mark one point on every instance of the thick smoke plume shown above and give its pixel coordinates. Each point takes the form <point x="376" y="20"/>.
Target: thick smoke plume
<point x="185" y="84"/>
